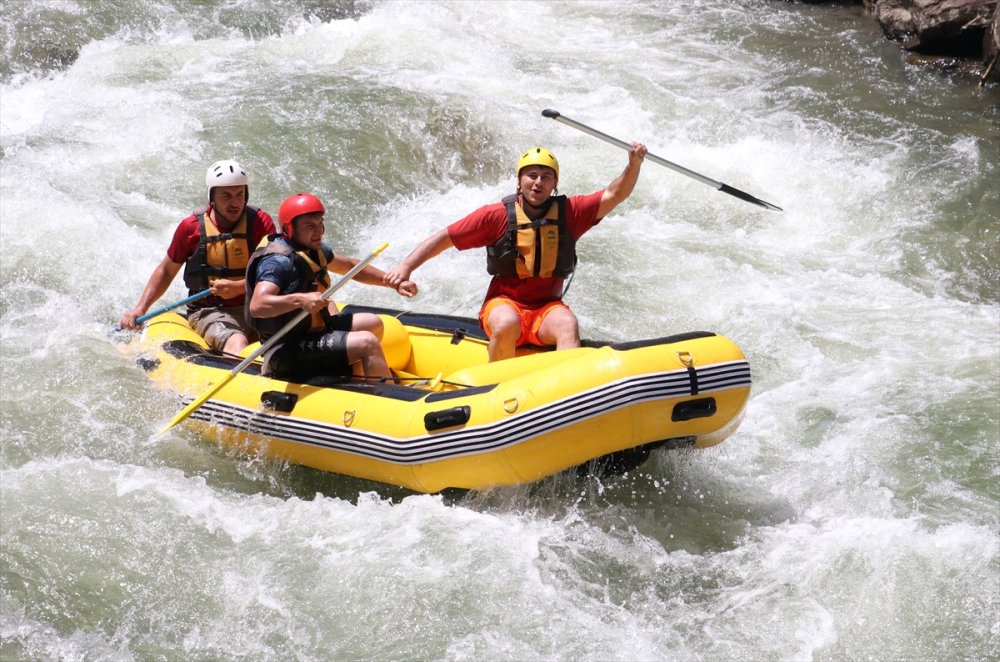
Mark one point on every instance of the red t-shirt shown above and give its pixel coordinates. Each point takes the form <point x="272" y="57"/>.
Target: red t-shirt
<point x="486" y="225"/>
<point x="185" y="243"/>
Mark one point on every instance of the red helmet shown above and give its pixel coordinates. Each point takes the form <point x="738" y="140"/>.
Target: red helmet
<point x="295" y="206"/>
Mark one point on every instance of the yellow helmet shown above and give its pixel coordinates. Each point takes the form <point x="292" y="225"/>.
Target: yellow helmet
<point x="538" y="156"/>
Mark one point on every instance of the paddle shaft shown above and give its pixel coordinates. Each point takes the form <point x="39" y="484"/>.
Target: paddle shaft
<point x="327" y="293"/>
<point x="176" y="304"/>
<point x="725" y="188"/>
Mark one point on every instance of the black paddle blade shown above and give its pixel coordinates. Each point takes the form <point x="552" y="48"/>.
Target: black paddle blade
<point x="736" y="193"/>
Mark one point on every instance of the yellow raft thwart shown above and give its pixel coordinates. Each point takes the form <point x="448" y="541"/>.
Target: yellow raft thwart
<point x="454" y="420"/>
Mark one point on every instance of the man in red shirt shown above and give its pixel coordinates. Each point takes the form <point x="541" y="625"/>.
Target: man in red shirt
<point x="214" y="245"/>
<point x="530" y="239"/>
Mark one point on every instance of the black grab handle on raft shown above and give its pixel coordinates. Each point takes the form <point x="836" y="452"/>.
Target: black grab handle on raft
<point x="446" y="418"/>
<point x="700" y="408"/>
<point x="278" y="401"/>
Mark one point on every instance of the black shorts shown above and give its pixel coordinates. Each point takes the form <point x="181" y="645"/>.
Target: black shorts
<point x="315" y="355"/>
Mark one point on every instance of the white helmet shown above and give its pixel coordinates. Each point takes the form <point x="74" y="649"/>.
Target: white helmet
<point x="226" y="173"/>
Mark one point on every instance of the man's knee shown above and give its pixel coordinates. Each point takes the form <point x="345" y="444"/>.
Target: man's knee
<point x="504" y="322"/>
<point x="362" y="344"/>
<point x="370" y="342"/>
<point x="560" y="327"/>
<point x="568" y="326"/>
<point x="235" y="342"/>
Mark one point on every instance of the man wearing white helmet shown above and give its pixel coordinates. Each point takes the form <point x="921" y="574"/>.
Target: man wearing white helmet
<point x="530" y="239"/>
<point x="214" y="245"/>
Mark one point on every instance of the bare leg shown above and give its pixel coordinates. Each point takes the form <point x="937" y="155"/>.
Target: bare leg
<point x="560" y="328"/>
<point x="364" y="348"/>
<point x="505" y="329"/>
<point x="235" y="343"/>
<point x="368" y="322"/>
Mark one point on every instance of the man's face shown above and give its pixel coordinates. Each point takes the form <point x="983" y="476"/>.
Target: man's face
<point x="536" y="184"/>
<point x="229" y="202"/>
<point x="309" y="230"/>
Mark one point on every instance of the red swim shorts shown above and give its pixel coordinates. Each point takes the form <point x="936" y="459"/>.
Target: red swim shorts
<point x="531" y="317"/>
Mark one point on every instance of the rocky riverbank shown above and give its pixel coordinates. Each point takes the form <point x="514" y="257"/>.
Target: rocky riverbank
<point x="964" y="30"/>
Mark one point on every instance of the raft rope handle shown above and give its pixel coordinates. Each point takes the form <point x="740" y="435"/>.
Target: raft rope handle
<point x="363" y="378"/>
<point x="429" y="331"/>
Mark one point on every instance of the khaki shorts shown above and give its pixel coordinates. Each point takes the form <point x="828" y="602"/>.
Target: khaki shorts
<point x="216" y="325"/>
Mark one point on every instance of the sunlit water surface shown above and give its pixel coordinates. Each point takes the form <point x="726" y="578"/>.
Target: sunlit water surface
<point x="854" y="515"/>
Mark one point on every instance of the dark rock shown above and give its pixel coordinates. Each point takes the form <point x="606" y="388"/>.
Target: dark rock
<point x="965" y="29"/>
<point x="938" y="27"/>
<point x="991" y="42"/>
<point x="894" y="16"/>
<point x="953" y="27"/>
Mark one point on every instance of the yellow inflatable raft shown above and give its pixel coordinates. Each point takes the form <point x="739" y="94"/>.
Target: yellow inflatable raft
<point x="454" y="420"/>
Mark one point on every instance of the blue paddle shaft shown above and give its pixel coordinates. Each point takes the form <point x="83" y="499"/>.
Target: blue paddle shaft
<point x="176" y="304"/>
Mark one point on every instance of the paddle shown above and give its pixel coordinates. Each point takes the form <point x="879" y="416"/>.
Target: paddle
<point x="175" y="304"/>
<point x="212" y="390"/>
<point x="142" y="318"/>
<point x="725" y="188"/>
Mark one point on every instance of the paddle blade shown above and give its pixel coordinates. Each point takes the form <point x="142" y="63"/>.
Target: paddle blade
<point x="743" y="195"/>
<point x="197" y="402"/>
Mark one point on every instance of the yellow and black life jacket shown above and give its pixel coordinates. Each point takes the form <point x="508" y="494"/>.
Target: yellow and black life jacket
<point x="310" y="275"/>
<point x="219" y="254"/>
<point x="533" y="249"/>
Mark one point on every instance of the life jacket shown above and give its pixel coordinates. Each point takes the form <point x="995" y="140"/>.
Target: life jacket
<point x="219" y="254"/>
<point x="310" y="275"/>
<point x="533" y="249"/>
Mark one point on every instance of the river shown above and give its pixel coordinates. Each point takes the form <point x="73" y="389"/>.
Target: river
<point x="853" y="515"/>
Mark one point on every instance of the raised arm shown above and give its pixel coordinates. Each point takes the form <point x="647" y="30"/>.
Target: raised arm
<point x="621" y="187"/>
